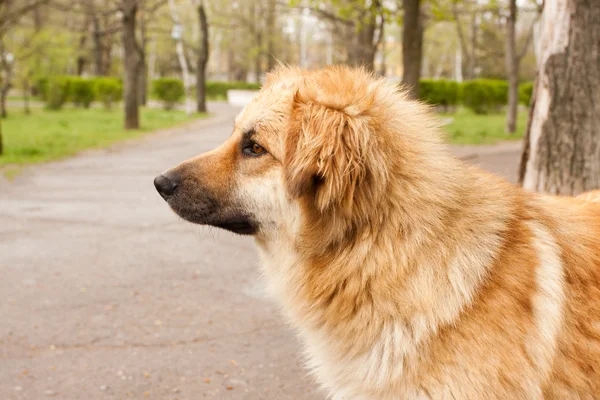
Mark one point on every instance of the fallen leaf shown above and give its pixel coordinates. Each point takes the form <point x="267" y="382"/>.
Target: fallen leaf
<point x="229" y="387"/>
<point x="207" y="380"/>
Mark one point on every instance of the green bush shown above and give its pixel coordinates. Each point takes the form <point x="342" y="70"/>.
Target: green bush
<point x="108" y="91"/>
<point x="81" y="91"/>
<point x="169" y="90"/>
<point x="439" y="92"/>
<point x="484" y="96"/>
<point x="40" y="87"/>
<point x="217" y="90"/>
<point x="525" y="93"/>
<point x="56" y="92"/>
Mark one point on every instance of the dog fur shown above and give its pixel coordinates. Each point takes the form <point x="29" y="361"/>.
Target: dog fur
<point x="407" y="273"/>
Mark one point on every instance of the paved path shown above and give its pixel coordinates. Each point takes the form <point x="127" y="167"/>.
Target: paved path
<point x="107" y="295"/>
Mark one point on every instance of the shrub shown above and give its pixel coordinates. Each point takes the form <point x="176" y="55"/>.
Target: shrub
<point x="525" y="93"/>
<point x="169" y="90"/>
<point x="108" y="91"/>
<point x="216" y="90"/>
<point x="56" y="92"/>
<point x="40" y="87"/>
<point x="439" y="92"/>
<point x="485" y="95"/>
<point x="81" y="91"/>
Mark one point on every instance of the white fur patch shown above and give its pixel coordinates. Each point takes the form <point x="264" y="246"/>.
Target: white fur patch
<point x="549" y="298"/>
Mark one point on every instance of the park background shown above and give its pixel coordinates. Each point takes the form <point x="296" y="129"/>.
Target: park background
<point x="106" y="294"/>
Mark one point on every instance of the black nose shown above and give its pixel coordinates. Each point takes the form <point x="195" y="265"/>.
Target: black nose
<point x="166" y="185"/>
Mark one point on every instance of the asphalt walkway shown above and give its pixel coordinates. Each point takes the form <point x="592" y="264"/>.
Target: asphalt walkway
<point x="106" y="294"/>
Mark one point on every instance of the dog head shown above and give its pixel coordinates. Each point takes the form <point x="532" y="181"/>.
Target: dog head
<point x="311" y="151"/>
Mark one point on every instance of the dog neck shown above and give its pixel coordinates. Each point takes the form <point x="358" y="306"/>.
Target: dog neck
<point x="394" y="282"/>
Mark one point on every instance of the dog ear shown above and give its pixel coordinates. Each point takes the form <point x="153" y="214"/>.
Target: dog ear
<point x="325" y="152"/>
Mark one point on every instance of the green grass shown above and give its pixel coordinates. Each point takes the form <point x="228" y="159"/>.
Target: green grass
<point x="49" y="135"/>
<point x="469" y="128"/>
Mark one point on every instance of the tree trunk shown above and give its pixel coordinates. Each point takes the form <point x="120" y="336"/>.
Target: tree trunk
<point x="258" y="37"/>
<point x="143" y="66"/>
<point x="271" y="22"/>
<point x="363" y="49"/>
<point x="131" y="65"/>
<point x="98" y="61"/>
<point x="382" y="66"/>
<point x="562" y="155"/>
<point x="179" y="49"/>
<point x="412" y="46"/>
<point x="143" y="83"/>
<point x="472" y="60"/>
<point x="258" y="59"/>
<point x="81" y="58"/>
<point x="38" y="21"/>
<point x="202" y="59"/>
<point x="26" y="90"/>
<point x="3" y="109"/>
<point x="512" y="67"/>
<point x="96" y="39"/>
<point x="6" y="81"/>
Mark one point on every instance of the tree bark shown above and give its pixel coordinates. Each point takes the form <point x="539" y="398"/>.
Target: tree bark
<point x="472" y="61"/>
<point x="179" y="49"/>
<point x="258" y="58"/>
<point x="107" y="43"/>
<point x="562" y="155"/>
<point x="202" y="59"/>
<point x="26" y="90"/>
<point x="81" y="60"/>
<point x="143" y="65"/>
<point x="131" y="65"/>
<point x="6" y="80"/>
<point x="3" y="95"/>
<point x="467" y="51"/>
<point x="271" y="22"/>
<point x="364" y="44"/>
<point x="412" y="46"/>
<point x="97" y="39"/>
<point x="258" y="37"/>
<point x="512" y="67"/>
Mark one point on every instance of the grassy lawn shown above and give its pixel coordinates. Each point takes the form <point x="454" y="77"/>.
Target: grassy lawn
<point x="49" y="135"/>
<point x="469" y="128"/>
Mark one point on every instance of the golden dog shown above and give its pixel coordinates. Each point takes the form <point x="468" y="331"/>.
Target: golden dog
<point x="407" y="273"/>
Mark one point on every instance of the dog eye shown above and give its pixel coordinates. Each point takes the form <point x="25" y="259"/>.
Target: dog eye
<point x="254" y="149"/>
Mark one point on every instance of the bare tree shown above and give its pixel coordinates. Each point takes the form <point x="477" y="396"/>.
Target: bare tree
<point x="513" y="59"/>
<point x="561" y="154"/>
<point x="412" y="46"/>
<point x="11" y="11"/>
<point x="6" y="69"/>
<point x="131" y="63"/>
<point x="468" y="44"/>
<point x="361" y="25"/>
<point x="257" y="30"/>
<point x="271" y="23"/>
<point x="143" y="76"/>
<point x="202" y="57"/>
<point x="146" y="14"/>
<point x="178" y="32"/>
